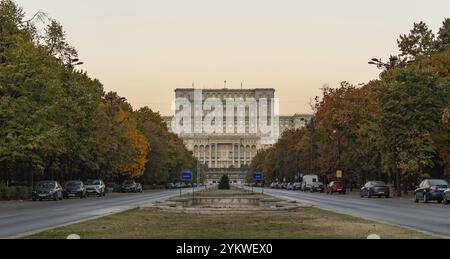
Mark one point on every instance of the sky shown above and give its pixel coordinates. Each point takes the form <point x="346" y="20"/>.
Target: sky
<point x="144" y="49"/>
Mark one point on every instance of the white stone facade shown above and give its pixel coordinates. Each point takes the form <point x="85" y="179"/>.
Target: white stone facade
<point x="231" y="151"/>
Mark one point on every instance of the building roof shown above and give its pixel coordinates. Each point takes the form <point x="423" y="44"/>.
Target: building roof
<point x="226" y="89"/>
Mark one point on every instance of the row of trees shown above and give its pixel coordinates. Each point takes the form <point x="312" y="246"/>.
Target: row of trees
<point x="58" y="123"/>
<point x="393" y="129"/>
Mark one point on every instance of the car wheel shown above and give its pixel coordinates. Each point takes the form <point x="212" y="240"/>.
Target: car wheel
<point x="40" y="199"/>
<point x="387" y="196"/>
<point x="425" y="198"/>
<point x="439" y="201"/>
<point x="379" y="196"/>
<point x="362" y="195"/>
<point x="99" y="195"/>
<point x="55" y="197"/>
<point x="34" y="199"/>
<point x="416" y="200"/>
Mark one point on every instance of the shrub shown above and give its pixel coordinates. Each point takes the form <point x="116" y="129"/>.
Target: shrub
<point x="224" y="183"/>
<point x="14" y="192"/>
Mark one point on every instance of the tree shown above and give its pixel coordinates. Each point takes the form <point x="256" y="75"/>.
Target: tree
<point x="224" y="183"/>
<point x="419" y="42"/>
<point x="411" y="105"/>
<point x="443" y="39"/>
<point x="57" y="123"/>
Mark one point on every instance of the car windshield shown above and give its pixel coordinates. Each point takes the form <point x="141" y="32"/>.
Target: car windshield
<point x="73" y="184"/>
<point x="337" y="183"/>
<point x="46" y="185"/>
<point x="438" y="182"/>
<point x="379" y="183"/>
<point x="93" y="182"/>
<point x="128" y="182"/>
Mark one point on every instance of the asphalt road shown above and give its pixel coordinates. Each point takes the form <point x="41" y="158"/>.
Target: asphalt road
<point x="22" y="218"/>
<point x="432" y="217"/>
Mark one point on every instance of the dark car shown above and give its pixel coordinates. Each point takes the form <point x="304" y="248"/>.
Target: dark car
<point x="446" y="196"/>
<point x="375" y="188"/>
<point x="336" y="186"/>
<point x="431" y="189"/>
<point x="139" y="187"/>
<point x="95" y="187"/>
<point x="47" y="190"/>
<point x="75" y="189"/>
<point x="317" y="187"/>
<point x="129" y="186"/>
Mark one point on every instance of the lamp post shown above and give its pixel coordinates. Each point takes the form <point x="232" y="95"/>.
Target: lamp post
<point x="393" y="60"/>
<point x="74" y="62"/>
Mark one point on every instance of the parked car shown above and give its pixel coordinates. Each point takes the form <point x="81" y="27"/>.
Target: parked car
<point x="308" y="180"/>
<point x="170" y="186"/>
<point x="297" y="186"/>
<point x="317" y="187"/>
<point x="290" y="186"/>
<point x="431" y="189"/>
<point x="446" y="196"/>
<point x="336" y="186"/>
<point x="95" y="187"/>
<point x="273" y="185"/>
<point x="129" y="186"/>
<point x="75" y="189"/>
<point x="47" y="190"/>
<point x="375" y="188"/>
<point x="139" y="187"/>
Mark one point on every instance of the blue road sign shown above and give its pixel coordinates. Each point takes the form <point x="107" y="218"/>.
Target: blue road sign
<point x="186" y="176"/>
<point x="258" y="176"/>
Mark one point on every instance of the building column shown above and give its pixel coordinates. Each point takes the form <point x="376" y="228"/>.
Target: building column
<point x="204" y="154"/>
<point x="217" y="159"/>
<point x="210" y="155"/>
<point x="239" y="154"/>
<point x="232" y="156"/>
<point x="245" y="155"/>
<point x="198" y="152"/>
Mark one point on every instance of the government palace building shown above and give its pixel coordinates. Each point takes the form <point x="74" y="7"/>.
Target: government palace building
<point x="231" y="152"/>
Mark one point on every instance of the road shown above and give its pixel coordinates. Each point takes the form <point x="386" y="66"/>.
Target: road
<point x="22" y="218"/>
<point x="432" y="217"/>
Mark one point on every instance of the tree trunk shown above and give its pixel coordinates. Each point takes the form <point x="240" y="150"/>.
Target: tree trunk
<point x="397" y="176"/>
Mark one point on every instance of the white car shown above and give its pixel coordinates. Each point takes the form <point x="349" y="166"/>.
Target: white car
<point x="95" y="187"/>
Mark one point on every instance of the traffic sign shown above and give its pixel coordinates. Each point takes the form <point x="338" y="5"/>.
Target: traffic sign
<point x="339" y="174"/>
<point x="186" y="176"/>
<point x="258" y="176"/>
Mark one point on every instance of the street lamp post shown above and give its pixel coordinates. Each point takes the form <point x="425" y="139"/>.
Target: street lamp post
<point x="393" y="60"/>
<point x="74" y="62"/>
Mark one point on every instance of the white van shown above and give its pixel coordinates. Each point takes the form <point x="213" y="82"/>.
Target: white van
<point x="308" y="181"/>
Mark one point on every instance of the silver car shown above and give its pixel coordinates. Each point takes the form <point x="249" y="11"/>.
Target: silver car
<point x="95" y="187"/>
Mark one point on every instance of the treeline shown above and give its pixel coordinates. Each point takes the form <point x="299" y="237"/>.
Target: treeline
<point x="58" y="123"/>
<point x="394" y="129"/>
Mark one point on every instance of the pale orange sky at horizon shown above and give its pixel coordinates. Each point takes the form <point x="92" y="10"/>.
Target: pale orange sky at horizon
<point x="145" y="49"/>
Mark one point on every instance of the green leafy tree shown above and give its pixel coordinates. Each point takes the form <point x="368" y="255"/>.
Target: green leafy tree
<point x="419" y="42"/>
<point x="411" y="105"/>
<point x="224" y="183"/>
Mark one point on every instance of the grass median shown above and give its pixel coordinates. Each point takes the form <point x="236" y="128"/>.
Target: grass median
<point x="303" y="223"/>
